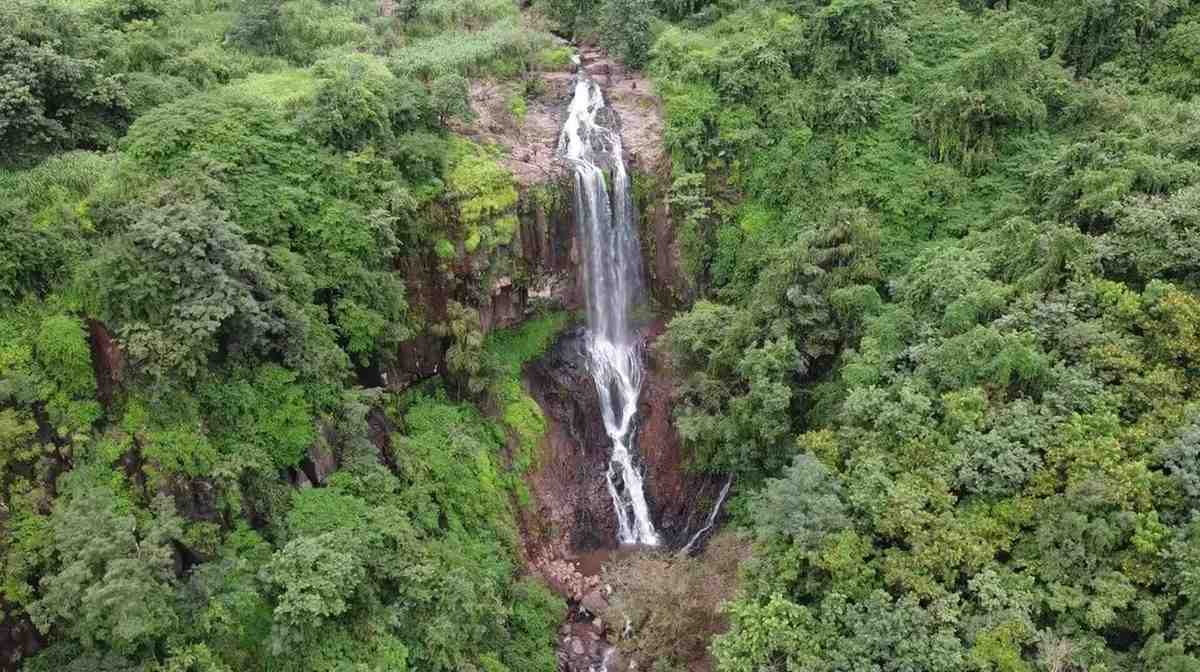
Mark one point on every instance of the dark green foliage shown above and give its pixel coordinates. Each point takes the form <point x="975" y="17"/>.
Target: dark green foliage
<point x="744" y="364"/>
<point x="182" y="320"/>
<point x="52" y="100"/>
<point x="863" y="33"/>
<point x="946" y="333"/>
<point x="969" y="230"/>
<point x="360" y="102"/>
<point x="969" y="104"/>
<point x="178" y="281"/>
<point x="805" y="505"/>
<point x="112" y="591"/>
<point x="258" y="26"/>
<point x="572" y="15"/>
<point x="449" y="98"/>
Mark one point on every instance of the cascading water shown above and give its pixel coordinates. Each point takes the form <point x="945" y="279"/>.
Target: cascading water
<point x="712" y="519"/>
<point x="613" y="282"/>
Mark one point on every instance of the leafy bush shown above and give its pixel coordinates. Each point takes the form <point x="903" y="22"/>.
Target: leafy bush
<point x="52" y="100"/>
<point x="625" y="29"/>
<point x="964" y="111"/>
<point x="181" y="278"/>
<point x="359" y="102"/>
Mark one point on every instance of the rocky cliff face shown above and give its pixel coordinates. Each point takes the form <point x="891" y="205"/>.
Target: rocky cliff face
<point x="571" y="527"/>
<point x="574" y="515"/>
<point x="681" y="500"/>
<point x="504" y="285"/>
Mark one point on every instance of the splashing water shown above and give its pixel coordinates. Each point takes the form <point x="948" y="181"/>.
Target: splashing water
<point x="613" y="281"/>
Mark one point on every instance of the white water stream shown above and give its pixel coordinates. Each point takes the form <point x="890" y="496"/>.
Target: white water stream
<point x="712" y="519"/>
<point x="613" y="280"/>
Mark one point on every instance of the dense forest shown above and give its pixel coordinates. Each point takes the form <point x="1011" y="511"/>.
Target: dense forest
<point x="941" y="327"/>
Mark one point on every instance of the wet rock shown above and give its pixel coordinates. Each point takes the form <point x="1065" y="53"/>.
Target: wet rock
<point x="108" y="360"/>
<point x="319" y="463"/>
<point x="574" y="514"/>
<point x="594" y="603"/>
<point x="680" y="500"/>
<point x="18" y="637"/>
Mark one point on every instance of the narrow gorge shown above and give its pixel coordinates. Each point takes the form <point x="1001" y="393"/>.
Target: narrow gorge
<point x="615" y="436"/>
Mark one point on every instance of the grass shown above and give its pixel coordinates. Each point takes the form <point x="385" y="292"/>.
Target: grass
<point x="500" y="49"/>
<point x="284" y="88"/>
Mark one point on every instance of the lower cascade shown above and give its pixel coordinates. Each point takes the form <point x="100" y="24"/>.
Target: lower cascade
<point x="613" y="285"/>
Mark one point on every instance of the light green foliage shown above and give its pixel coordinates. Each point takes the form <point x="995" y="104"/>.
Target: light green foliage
<point x="64" y="354"/>
<point x="170" y="445"/>
<point x="502" y="48"/>
<point x="485" y="195"/>
<point x="464" y="358"/>
<point x="415" y="570"/>
<point x="45" y="222"/>
<point x="451" y="455"/>
<point x="61" y="348"/>
<point x="263" y="412"/>
<point x="286" y="88"/>
<point x="507" y="352"/>
<point x="439" y="15"/>
<point x="317" y="578"/>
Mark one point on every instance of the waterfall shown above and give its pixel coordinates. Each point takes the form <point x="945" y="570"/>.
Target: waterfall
<point x="712" y="518"/>
<point x="612" y="274"/>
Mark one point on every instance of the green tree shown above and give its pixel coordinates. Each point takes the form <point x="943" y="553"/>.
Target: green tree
<point x="966" y="109"/>
<point x="805" y="505"/>
<point x="625" y="27"/>
<point x="113" y="588"/>
<point x="450" y="98"/>
<point x="52" y="100"/>
<point x="181" y="283"/>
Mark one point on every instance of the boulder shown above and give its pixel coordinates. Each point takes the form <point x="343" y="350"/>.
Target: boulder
<point x="594" y="603"/>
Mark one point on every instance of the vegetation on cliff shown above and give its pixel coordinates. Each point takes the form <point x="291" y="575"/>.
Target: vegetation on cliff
<point x="203" y="206"/>
<point x="946" y="334"/>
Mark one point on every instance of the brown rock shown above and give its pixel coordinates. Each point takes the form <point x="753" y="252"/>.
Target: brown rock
<point x="594" y="603"/>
